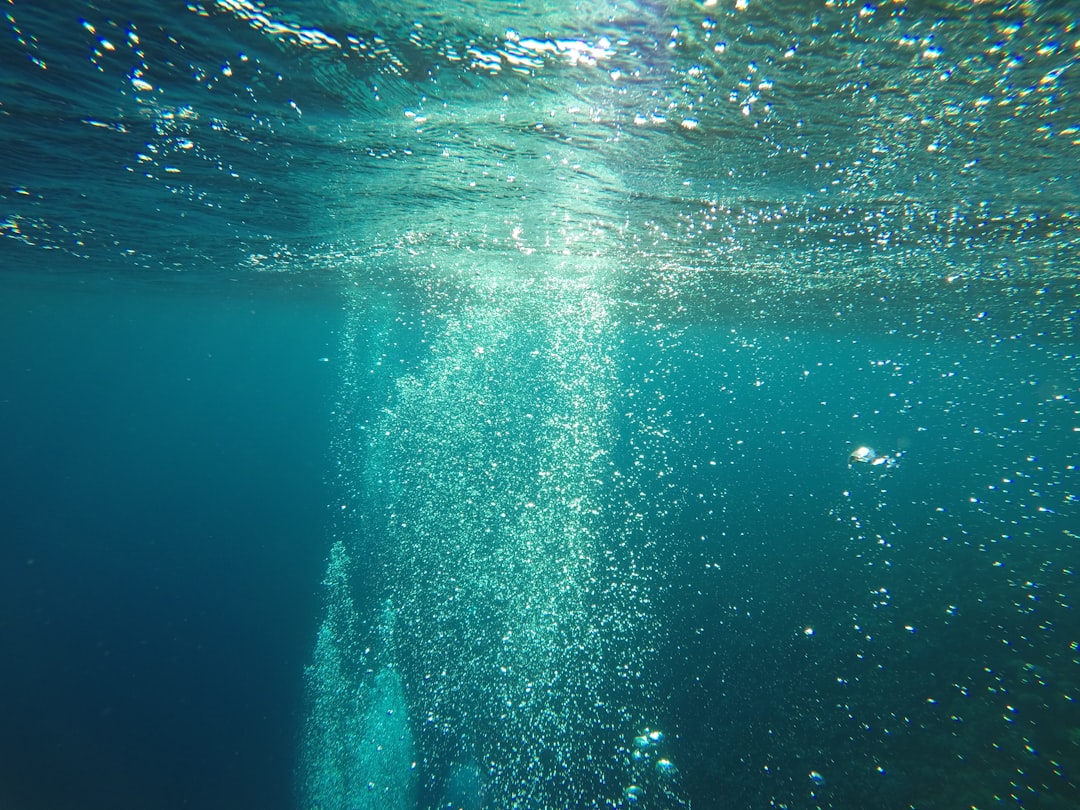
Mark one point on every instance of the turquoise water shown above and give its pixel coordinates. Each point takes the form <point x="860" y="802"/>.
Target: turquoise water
<point x="468" y="405"/>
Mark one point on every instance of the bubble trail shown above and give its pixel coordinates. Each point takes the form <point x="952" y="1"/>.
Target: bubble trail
<point x="509" y="549"/>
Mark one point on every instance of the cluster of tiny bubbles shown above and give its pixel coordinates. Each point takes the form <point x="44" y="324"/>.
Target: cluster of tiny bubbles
<point x="654" y="774"/>
<point x="868" y="457"/>
<point x="524" y="616"/>
<point x="358" y="748"/>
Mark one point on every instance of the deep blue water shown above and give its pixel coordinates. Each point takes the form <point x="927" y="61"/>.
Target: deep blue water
<point x="414" y="406"/>
<point x="163" y="502"/>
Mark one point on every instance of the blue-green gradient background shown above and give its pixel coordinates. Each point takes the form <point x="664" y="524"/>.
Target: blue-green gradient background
<point x="849" y="225"/>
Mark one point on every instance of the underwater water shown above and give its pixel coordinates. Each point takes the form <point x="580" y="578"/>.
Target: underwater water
<point x="539" y="405"/>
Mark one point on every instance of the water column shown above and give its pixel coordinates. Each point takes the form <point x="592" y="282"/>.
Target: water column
<point x="509" y="535"/>
<point x="506" y="528"/>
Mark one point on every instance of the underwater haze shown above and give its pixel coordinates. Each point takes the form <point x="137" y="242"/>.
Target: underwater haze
<point x="483" y="405"/>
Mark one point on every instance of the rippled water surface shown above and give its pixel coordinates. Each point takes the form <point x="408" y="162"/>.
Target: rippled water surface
<point x="677" y="402"/>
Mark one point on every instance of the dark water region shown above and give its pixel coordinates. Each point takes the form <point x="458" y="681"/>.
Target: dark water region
<point x="477" y="405"/>
<point x="158" y="591"/>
